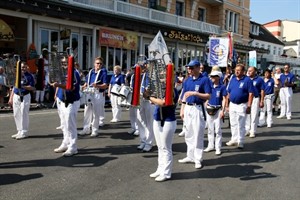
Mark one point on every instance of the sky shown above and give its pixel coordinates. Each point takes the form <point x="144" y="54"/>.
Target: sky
<point x="263" y="11"/>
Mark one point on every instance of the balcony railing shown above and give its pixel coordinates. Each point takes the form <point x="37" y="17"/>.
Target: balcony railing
<point x="142" y="13"/>
<point x="281" y="59"/>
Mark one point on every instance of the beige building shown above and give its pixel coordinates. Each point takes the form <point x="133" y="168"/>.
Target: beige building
<point x="119" y="31"/>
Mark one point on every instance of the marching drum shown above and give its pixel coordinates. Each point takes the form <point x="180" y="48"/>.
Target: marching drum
<point x="115" y="89"/>
<point x="124" y="91"/>
<point x="126" y="102"/>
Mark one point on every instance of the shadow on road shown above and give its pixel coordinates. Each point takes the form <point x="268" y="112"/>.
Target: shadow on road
<point x="6" y="179"/>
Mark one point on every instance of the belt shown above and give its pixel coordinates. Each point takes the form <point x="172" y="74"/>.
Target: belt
<point x="192" y="104"/>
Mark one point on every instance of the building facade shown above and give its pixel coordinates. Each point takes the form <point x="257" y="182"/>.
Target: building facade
<point x="120" y="31"/>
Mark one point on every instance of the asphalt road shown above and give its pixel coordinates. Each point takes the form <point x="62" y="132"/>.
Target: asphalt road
<point x="110" y="166"/>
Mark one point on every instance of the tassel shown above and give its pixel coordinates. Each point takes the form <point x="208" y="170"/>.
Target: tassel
<point x="70" y="78"/>
<point x="169" y="85"/>
<point x="137" y="86"/>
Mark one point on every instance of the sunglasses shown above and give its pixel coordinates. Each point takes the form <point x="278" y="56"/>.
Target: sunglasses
<point x="99" y="63"/>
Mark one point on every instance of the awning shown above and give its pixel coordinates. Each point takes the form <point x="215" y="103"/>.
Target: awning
<point x="6" y="34"/>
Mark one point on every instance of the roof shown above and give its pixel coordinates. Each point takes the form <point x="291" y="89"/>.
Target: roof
<point x="265" y="35"/>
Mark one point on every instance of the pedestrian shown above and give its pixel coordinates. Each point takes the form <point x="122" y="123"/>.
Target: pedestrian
<point x="268" y="101"/>
<point x="116" y="82"/>
<point x="240" y="94"/>
<point x="257" y="103"/>
<point x="94" y="87"/>
<point x="196" y="91"/>
<point x="3" y="87"/>
<point x="277" y="86"/>
<point x="287" y="80"/>
<point x="164" y="127"/>
<point x="215" y="113"/>
<point x="20" y="100"/>
<point x="69" y="107"/>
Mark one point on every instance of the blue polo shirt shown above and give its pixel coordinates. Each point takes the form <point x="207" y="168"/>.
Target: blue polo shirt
<point x="217" y="94"/>
<point x="102" y="78"/>
<point x="204" y="74"/>
<point x="26" y="80"/>
<point x="239" y="89"/>
<point x="290" y="78"/>
<point x="117" y="79"/>
<point x="259" y="85"/>
<point x="168" y="112"/>
<point x="269" y="86"/>
<point x="200" y="84"/>
<point x="71" y="95"/>
<point x="145" y="82"/>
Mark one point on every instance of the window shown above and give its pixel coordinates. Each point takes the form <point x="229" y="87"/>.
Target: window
<point x="254" y="29"/>
<point x="152" y="3"/>
<point x="274" y="50"/>
<point x="262" y="46"/>
<point x="279" y="51"/>
<point x="179" y="8"/>
<point x="201" y="14"/>
<point x="232" y="21"/>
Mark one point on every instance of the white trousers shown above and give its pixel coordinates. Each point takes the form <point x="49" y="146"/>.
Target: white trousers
<point x="268" y="107"/>
<point x="92" y="112"/>
<point x="164" y="139"/>
<point x="194" y="136"/>
<point x="59" y="111"/>
<point x="102" y="109"/>
<point x="21" y="112"/>
<point x="145" y="122"/>
<point x="286" y="95"/>
<point x="214" y="126"/>
<point x="133" y="117"/>
<point x="115" y="107"/>
<point x="39" y="96"/>
<point x="237" y="113"/>
<point x="252" y="118"/>
<point x="69" y="128"/>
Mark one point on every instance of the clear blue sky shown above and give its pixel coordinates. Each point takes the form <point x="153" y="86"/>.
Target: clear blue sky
<point x="263" y="11"/>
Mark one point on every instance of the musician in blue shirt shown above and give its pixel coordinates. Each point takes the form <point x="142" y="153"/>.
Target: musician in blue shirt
<point x="257" y="103"/>
<point x="196" y="91"/>
<point x="164" y="127"/>
<point x="93" y="91"/>
<point x="20" y="100"/>
<point x="287" y="80"/>
<point x="215" y="113"/>
<point x="240" y="94"/>
<point x="116" y="82"/>
<point x="268" y="101"/>
<point x="69" y="107"/>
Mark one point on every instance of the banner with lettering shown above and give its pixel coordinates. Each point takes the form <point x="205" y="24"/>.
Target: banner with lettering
<point x="118" y="39"/>
<point x="218" y="52"/>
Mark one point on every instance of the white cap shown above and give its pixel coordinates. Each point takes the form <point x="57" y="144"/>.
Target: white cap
<point x="216" y="73"/>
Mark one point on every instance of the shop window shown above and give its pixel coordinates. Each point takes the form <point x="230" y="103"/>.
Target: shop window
<point x="124" y="60"/>
<point x="49" y="40"/>
<point x="103" y="53"/>
<point x="133" y="57"/>
<point x="152" y="4"/>
<point x="110" y="59"/>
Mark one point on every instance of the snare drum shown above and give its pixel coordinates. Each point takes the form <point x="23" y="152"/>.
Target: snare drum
<point x="115" y="89"/>
<point x="124" y="91"/>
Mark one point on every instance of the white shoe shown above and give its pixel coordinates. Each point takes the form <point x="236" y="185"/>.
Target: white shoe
<point x="288" y="118"/>
<point x="94" y="134"/>
<point x="131" y="132"/>
<point x="198" y="166"/>
<point x="218" y="152"/>
<point x="240" y="146"/>
<point x="84" y="132"/>
<point x="136" y="133"/>
<point x="101" y="124"/>
<point x="21" y="136"/>
<point x="231" y="143"/>
<point x="269" y="126"/>
<point x="280" y="117"/>
<point x="252" y="135"/>
<point x="141" y="146"/>
<point x="69" y="153"/>
<point x="59" y="127"/>
<point x="147" y="148"/>
<point x="181" y="134"/>
<point x="114" y="120"/>
<point x="15" y="135"/>
<point x="186" y="160"/>
<point x="154" y="175"/>
<point x="161" y="178"/>
<point x="60" y="149"/>
<point x="208" y="149"/>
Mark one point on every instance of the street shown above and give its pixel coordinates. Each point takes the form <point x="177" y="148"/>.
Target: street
<point x="110" y="167"/>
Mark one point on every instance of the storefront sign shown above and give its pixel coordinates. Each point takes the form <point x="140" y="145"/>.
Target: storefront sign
<point x="118" y="39"/>
<point x="6" y="34"/>
<point x="183" y="36"/>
